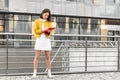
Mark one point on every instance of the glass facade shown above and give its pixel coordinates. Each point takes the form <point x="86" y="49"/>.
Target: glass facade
<point x="23" y="23"/>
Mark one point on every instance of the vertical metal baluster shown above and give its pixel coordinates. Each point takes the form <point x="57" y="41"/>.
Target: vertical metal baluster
<point x="7" y="54"/>
<point x="86" y="53"/>
<point x="118" y="56"/>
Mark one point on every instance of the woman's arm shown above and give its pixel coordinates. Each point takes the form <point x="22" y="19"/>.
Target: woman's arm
<point x="36" y="29"/>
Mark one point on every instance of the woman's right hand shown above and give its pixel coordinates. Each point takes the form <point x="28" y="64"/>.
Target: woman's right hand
<point x="45" y="31"/>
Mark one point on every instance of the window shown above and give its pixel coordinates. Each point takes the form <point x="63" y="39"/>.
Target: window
<point x="1" y="16"/>
<point x="95" y="2"/>
<point x="61" y="19"/>
<point x="34" y="17"/>
<point x="22" y="27"/>
<point x="9" y="26"/>
<point x="9" y="16"/>
<point x="1" y="26"/>
<point x="22" y="17"/>
<point x="95" y="21"/>
<point x="74" y="20"/>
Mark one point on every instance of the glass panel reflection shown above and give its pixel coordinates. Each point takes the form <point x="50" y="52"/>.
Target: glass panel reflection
<point x="22" y="27"/>
<point x="95" y="21"/>
<point x="9" y="16"/>
<point x="1" y="16"/>
<point x="61" y="19"/>
<point x="22" y="17"/>
<point x="74" y="20"/>
<point x="2" y="31"/>
<point x="84" y="28"/>
<point x="19" y="23"/>
<point x="34" y="17"/>
<point x="9" y="26"/>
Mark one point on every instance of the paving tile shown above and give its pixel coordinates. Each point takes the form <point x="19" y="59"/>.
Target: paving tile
<point x="82" y="76"/>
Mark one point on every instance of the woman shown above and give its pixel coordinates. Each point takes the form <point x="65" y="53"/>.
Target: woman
<point x="42" y="40"/>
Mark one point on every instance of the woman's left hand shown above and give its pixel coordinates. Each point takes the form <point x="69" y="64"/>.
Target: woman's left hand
<point x="48" y="30"/>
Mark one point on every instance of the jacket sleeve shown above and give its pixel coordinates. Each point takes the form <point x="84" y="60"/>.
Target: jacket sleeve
<point x="37" y="30"/>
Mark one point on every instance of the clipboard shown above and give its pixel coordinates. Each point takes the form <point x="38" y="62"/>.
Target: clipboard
<point x="52" y="28"/>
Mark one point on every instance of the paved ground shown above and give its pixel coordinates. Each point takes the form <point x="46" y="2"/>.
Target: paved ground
<point x="83" y="76"/>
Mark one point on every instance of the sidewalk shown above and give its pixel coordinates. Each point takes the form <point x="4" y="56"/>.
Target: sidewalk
<point x="83" y="76"/>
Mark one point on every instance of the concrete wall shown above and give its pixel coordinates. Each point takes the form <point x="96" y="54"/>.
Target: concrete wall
<point x="4" y="5"/>
<point x="99" y="59"/>
<point x="100" y="8"/>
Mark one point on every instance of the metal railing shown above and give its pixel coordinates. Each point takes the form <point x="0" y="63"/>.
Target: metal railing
<point x="67" y="56"/>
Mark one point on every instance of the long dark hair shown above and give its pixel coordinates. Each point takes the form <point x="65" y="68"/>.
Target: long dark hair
<point x="44" y="11"/>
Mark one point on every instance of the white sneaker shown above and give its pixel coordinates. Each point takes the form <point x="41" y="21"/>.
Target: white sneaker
<point x="34" y="76"/>
<point x="50" y="76"/>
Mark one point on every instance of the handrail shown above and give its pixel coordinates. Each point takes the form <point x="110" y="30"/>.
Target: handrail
<point x="84" y="45"/>
<point x="75" y="35"/>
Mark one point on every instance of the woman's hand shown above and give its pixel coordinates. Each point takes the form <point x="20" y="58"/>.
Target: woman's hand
<point x="46" y="31"/>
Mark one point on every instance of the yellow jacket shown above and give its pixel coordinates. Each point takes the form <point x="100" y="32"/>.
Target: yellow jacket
<point x="38" y="28"/>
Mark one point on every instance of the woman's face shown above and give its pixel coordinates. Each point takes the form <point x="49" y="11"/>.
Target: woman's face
<point x="45" y="15"/>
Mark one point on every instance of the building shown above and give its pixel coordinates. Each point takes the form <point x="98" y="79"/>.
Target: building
<point x="84" y="17"/>
<point x="92" y="8"/>
<point x="74" y="16"/>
